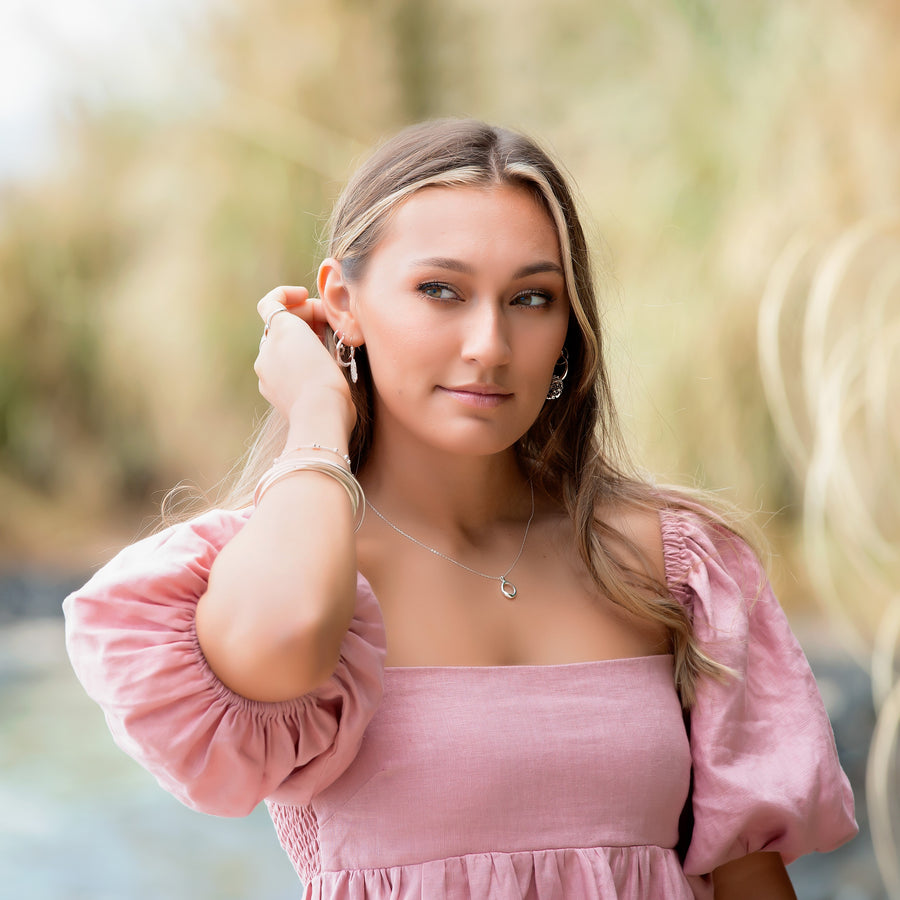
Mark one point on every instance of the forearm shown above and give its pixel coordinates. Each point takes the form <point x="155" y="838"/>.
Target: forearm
<point x="282" y="593"/>
<point x="754" y="876"/>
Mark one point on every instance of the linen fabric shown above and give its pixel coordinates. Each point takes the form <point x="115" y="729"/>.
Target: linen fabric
<point x="500" y="782"/>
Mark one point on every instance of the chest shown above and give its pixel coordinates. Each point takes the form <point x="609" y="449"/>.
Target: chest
<point x="437" y="614"/>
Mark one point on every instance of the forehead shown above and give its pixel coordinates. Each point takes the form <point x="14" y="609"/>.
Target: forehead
<point x="472" y="220"/>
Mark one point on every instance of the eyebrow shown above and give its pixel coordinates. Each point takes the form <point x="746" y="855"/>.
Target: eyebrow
<point x="457" y="265"/>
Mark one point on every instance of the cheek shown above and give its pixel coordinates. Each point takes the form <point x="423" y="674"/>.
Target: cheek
<point x="544" y="352"/>
<point x="400" y="360"/>
<point x="405" y="340"/>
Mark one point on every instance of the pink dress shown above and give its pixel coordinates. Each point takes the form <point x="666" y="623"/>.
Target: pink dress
<point x="541" y="782"/>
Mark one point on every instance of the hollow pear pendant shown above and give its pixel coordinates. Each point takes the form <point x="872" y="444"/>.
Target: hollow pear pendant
<point x="508" y="588"/>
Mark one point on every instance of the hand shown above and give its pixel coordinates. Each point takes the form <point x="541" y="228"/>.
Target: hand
<point x="297" y="375"/>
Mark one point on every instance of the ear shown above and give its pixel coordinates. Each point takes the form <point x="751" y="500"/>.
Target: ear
<point x="337" y="302"/>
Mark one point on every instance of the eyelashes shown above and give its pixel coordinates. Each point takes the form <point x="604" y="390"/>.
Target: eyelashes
<point x="543" y="298"/>
<point x="433" y="290"/>
<point x="445" y="293"/>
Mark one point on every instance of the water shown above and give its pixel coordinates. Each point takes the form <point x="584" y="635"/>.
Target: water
<point x="79" y="820"/>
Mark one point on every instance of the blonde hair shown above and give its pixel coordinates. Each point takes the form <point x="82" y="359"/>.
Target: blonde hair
<point x="574" y="449"/>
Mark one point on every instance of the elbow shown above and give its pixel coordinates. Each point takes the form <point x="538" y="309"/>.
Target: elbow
<point x="313" y="649"/>
<point x="276" y="661"/>
<point x="317" y="652"/>
<point x="299" y="665"/>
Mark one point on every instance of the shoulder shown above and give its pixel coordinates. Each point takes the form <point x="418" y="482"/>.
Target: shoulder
<point x="172" y="562"/>
<point x="671" y="540"/>
<point x="201" y="536"/>
<point x="641" y="529"/>
<point x="697" y="539"/>
<point x="213" y="524"/>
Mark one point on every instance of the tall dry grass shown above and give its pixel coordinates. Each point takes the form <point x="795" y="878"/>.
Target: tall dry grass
<point x="702" y="135"/>
<point x="829" y="346"/>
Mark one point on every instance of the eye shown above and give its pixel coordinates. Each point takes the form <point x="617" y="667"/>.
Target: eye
<point x="438" y="291"/>
<point x="533" y="299"/>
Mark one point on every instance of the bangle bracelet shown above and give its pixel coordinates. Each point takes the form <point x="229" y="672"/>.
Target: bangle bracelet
<point x="325" y="467"/>
<point x="318" y="447"/>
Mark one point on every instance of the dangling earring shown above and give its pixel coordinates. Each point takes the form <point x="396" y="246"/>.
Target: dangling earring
<point x="556" y="382"/>
<point x="346" y="359"/>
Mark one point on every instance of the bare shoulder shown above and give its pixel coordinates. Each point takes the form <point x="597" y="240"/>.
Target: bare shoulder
<point x="643" y="529"/>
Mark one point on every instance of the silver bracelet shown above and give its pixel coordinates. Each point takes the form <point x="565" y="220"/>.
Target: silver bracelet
<point x="325" y="467"/>
<point x="318" y="447"/>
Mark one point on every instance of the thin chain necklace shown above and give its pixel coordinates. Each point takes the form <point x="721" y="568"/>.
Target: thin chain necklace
<point x="508" y="589"/>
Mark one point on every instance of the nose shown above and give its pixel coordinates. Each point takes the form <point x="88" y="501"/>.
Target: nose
<point x="486" y="338"/>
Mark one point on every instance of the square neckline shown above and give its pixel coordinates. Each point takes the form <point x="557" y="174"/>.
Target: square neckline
<point x="669" y="554"/>
<point x="527" y="667"/>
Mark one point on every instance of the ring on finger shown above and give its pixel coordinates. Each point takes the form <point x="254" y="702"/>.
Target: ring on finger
<point x="271" y="316"/>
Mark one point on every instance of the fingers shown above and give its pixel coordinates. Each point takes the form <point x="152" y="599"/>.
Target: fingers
<point x="298" y="302"/>
<point x="286" y="296"/>
<point x="292" y="363"/>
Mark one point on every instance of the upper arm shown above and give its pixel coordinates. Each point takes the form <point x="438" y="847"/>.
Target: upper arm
<point x="281" y="594"/>
<point x="131" y="637"/>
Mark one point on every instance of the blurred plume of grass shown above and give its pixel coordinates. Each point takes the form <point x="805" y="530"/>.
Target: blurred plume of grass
<point x="829" y="343"/>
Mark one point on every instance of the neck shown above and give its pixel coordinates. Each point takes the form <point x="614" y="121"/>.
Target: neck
<point x="462" y="494"/>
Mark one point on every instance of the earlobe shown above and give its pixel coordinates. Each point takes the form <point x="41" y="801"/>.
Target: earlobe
<point x="337" y="298"/>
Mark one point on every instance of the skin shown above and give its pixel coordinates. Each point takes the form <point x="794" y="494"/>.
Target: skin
<point x="463" y="311"/>
<point x="754" y="876"/>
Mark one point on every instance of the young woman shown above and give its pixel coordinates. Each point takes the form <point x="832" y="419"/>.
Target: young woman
<point x="526" y="673"/>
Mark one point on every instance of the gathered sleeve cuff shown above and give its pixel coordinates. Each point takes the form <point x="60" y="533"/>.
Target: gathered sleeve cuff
<point x="766" y="771"/>
<point x="131" y="637"/>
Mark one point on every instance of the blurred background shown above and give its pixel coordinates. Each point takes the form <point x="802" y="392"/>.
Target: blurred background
<point x="163" y="165"/>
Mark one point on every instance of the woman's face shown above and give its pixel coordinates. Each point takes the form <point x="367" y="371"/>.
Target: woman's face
<point x="464" y="311"/>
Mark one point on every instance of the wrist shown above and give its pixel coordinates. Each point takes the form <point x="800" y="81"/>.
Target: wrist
<point x="328" y="424"/>
<point x="313" y="450"/>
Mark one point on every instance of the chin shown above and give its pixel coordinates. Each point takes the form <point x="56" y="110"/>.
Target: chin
<point x="477" y="445"/>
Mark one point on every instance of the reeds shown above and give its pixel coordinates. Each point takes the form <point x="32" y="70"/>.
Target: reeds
<point x="829" y="349"/>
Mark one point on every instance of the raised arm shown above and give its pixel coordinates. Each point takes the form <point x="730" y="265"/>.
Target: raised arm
<point x="282" y="593"/>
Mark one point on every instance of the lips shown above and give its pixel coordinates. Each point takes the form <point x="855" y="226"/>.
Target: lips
<point x="480" y="389"/>
<point x="480" y="396"/>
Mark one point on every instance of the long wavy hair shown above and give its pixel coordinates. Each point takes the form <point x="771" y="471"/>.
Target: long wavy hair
<point x="574" y="449"/>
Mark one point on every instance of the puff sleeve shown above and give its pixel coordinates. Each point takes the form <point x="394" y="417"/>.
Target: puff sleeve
<point x="766" y="772"/>
<point x="130" y="633"/>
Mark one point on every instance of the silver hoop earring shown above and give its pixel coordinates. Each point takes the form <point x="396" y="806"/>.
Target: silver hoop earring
<point x="345" y="354"/>
<point x="556" y="382"/>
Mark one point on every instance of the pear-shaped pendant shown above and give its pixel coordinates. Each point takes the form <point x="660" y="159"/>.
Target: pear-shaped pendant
<point x="508" y="588"/>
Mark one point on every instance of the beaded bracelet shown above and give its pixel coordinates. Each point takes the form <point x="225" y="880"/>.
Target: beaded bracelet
<point x="318" y="447"/>
<point x="325" y="467"/>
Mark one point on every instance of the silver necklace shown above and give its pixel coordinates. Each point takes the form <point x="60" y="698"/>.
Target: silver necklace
<point x="508" y="589"/>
